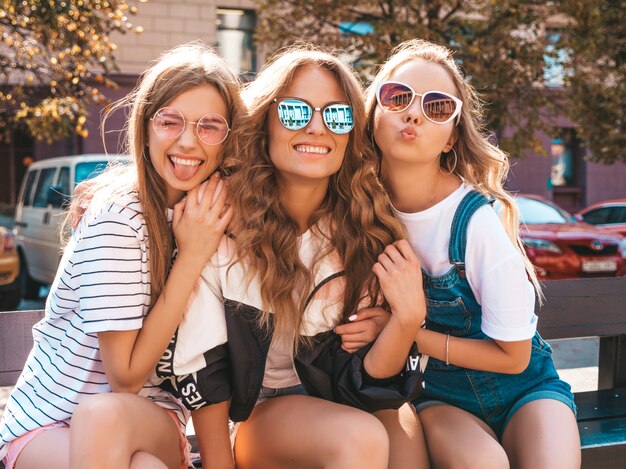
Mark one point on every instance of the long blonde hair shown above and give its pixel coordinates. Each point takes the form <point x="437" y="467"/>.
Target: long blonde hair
<point x="360" y="218"/>
<point x="176" y="71"/>
<point x="479" y="162"/>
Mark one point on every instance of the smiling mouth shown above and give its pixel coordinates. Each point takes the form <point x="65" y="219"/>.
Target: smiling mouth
<point x="312" y="149"/>
<point x="184" y="168"/>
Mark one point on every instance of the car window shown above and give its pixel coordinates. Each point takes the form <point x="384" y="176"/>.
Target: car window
<point x="43" y="184"/>
<point x="598" y="216"/>
<point x="63" y="185"/>
<point x="27" y="191"/>
<point x="533" y="212"/>
<point x="88" y="170"/>
<point x="618" y="215"/>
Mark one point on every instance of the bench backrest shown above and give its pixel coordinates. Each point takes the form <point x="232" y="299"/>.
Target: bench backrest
<point x="573" y="308"/>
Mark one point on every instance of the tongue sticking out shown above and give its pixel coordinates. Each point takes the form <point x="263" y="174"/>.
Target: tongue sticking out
<point x="184" y="172"/>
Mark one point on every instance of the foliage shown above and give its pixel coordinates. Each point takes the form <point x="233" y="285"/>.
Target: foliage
<point x="596" y="38"/>
<point x="502" y="46"/>
<point x="53" y="56"/>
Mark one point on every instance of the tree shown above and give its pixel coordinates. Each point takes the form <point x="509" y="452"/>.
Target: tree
<point x="54" y="56"/>
<point x="502" y="46"/>
<point x="596" y="79"/>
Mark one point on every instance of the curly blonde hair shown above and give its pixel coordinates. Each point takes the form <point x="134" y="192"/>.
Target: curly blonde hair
<point x="361" y="222"/>
<point x="479" y="162"/>
<point x="176" y="71"/>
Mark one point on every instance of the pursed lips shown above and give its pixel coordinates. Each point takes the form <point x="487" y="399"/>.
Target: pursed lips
<point x="408" y="133"/>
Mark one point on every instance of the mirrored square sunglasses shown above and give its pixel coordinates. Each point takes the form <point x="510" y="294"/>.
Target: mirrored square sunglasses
<point x="296" y="113"/>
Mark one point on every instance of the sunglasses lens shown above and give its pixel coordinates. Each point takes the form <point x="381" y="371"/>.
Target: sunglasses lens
<point x="338" y="118"/>
<point x="168" y="123"/>
<point x="212" y="129"/>
<point x="438" y="107"/>
<point x="294" y="114"/>
<point x="395" y="97"/>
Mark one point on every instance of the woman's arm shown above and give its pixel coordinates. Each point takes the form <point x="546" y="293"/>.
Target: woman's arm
<point x="486" y="355"/>
<point x="129" y="357"/>
<point x="213" y="436"/>
<point x="400" y="276"/>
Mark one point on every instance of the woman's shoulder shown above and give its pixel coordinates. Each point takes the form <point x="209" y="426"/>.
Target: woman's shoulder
<point x="118" y="213"/>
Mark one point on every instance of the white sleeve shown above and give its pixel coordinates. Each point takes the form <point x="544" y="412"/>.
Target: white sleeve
<point x="111" y="269"/>
<point x="204" y="324"/>
<point x="497" y="275"/>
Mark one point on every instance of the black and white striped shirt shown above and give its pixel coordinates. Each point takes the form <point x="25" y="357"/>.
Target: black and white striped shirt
<point x="102" y="284"/>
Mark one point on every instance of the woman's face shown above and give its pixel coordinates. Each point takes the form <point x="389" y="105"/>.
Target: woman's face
<point x="407" y="136"/>
<point x="184" y="161"/>
<point x="313" y="153"/>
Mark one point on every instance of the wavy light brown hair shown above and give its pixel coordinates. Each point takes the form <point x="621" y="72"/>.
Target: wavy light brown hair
<point x="359" y="213"/>
<point x="480" y="163"/>
<point x="176" y="71"/>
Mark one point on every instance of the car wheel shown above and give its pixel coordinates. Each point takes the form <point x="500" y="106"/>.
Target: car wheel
<point x="30" y="287"/>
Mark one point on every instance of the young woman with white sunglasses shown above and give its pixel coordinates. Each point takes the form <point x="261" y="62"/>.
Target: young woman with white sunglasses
<point x="492" y="395"/>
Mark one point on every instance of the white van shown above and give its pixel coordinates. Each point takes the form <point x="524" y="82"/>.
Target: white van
<point x="47" y="186"/>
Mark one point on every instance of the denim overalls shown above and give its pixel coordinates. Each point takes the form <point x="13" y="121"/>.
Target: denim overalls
<point x="453" y="309"/>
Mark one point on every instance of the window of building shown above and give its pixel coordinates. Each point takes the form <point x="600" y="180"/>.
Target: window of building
<point x="235" y="42"/>
<point x="555" y="60"/>
<point x="562" y="173"/>
<point x="567" y="176"/>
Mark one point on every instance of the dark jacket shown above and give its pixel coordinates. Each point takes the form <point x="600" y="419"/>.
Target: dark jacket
<point x="324" y="368"/>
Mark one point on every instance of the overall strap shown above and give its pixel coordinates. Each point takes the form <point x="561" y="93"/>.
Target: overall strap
<point x="458" y="231"/>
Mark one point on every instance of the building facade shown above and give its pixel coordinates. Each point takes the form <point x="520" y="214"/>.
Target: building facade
<point x="562" y="174"/>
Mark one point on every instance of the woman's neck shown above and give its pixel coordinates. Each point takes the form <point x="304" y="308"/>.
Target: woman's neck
<point x="417" y="187"/>
<point x="301" y="200"/>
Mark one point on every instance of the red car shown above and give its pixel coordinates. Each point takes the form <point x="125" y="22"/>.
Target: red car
<point x="562" y="247"/>
<point x="610" y="215"/>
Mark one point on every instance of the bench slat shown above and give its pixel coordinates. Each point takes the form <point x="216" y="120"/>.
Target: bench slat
<point x="16" y="343"/>
<point x="594" y="405"/>
<point x="583" y="308"/>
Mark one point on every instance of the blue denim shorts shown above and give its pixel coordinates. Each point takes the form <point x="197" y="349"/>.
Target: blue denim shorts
<point x="495" y="397"/>
<point x="269" y="393"/>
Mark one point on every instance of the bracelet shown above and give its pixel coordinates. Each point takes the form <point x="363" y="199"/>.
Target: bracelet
<point x="447" y="348"/>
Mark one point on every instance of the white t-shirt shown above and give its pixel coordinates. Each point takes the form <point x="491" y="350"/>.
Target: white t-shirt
<point x="102" y="284"/>
<point x="494" y="267"/>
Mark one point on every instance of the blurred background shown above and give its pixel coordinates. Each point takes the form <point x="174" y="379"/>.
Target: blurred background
<point x="551" y="75"/>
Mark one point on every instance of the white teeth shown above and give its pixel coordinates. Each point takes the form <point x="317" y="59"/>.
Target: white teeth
<point x="311" y="149"/>
<point x="184" y="162"/>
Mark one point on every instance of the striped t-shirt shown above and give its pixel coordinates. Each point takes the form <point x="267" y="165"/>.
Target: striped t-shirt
<point x="102" y="284"/>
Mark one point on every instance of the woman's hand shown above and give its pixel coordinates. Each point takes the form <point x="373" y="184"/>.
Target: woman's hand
<point x="200" y="220"/>
<point x="400" y="276"/>
<point x="363" y="328"/>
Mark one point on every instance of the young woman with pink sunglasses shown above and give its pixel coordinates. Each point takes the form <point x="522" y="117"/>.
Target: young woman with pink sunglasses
<point x="89" y="395"/>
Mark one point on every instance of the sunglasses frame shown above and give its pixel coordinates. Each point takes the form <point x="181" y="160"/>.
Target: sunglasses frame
<point x="321" y="110"/>
<point x="185" y="122"/>
<point x="456" y="113"/>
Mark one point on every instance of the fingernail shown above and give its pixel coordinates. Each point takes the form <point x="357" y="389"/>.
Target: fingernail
<point x="353" y="317"/>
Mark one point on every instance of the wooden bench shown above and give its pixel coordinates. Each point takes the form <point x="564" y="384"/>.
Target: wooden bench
<point x="574" y="308"/>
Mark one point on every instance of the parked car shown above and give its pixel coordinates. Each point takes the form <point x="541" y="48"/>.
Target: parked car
<point x="47" y="186"/>
<point x="10" y="286"/>
<point x="610" y="215"/>
<point x="562" y="247"/>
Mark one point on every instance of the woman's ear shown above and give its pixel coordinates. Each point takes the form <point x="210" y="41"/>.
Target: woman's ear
<point x="451" y="141"/>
